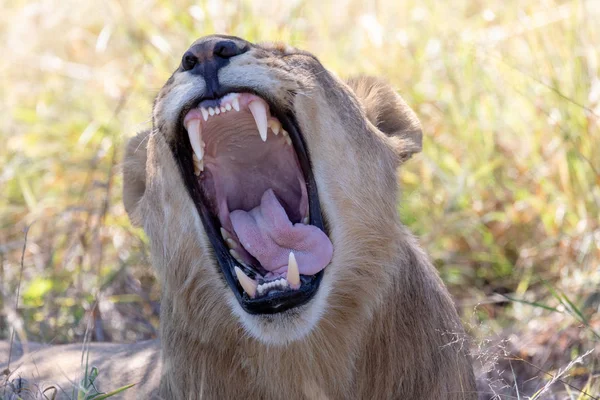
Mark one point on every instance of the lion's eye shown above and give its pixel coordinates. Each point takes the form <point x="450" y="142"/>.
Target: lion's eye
<point x="188" y="61"/>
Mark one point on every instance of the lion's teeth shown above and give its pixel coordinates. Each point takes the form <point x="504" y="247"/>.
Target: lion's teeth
<point x="228" y="107"/>
<point x="235" y="255"/>
<point x="225" y="234"/>
<point x="195" y="134"/>
<point x="259" y="112"/>
<point x="286" y="136"/>
<point x="266" y="286"/>
<point x="293" y="275"/>
<point x="231" y="243"/>
<point x="248" y="284"/>
<point x="305" y="221"/>
<point x="236" y="104"/>
<point x="198" y="165"/>
<point x="217" y="110"/>
<point x="204" y="112"/>
<point x="275" y="126"/>
<point x="211" y="111"/>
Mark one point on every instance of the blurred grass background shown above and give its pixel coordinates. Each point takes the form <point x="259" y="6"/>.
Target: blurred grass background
<point x="505" y="196"/>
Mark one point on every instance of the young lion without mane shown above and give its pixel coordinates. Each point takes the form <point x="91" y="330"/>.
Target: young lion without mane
<point x="268" y="190"/>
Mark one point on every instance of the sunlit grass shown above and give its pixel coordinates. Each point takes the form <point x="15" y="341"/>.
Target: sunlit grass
<point x="505" y="196"/>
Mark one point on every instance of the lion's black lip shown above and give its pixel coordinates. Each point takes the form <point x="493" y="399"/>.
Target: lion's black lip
<point x="274" y="302"/>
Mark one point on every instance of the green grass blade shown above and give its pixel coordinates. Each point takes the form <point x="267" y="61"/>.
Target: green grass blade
<point x="110" y="394"/>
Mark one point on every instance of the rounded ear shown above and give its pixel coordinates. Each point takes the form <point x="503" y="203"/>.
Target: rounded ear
<point x="134" y="175"/>
<point x="390" y="114"/>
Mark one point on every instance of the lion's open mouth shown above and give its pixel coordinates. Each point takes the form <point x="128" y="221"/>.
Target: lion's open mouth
<point x="248" y="171"/>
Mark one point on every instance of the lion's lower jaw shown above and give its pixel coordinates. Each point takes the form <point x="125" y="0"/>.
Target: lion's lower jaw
<point x="289" y="326"/>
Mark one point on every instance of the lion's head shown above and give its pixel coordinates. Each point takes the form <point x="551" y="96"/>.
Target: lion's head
<point x="267" y="187"/>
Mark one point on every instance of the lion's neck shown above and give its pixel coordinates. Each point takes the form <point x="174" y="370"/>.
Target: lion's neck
<point x="229" y="363"/>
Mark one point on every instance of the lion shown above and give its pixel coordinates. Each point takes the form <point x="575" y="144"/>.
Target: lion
<point x="268" y="190"/>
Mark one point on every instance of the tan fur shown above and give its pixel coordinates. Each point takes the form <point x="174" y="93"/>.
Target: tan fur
<point x="381" y="326"/>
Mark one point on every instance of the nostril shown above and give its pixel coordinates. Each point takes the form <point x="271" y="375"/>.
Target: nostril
<point x="188" y="61"/>
<point x="227" y="49"/>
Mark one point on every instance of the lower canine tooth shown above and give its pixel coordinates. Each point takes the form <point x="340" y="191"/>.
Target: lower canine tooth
<point x="293" y="274"/>
<point x="248" y="284"/>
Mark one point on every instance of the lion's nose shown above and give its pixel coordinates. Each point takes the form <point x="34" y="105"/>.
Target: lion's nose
<point x="208" y="55"/>
<point x="211" y="52"/>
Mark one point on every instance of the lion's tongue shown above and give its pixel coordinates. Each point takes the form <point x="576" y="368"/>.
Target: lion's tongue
<point x="267" y="233"/>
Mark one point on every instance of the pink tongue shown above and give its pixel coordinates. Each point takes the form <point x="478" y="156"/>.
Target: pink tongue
<point x="267" y="233"/>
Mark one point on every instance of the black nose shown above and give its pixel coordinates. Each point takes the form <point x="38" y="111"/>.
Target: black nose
<point x="227" y="49"/>
<point x="188" y="61"/>
<point x="212" y="52"/>
<point x="208" y="55"/>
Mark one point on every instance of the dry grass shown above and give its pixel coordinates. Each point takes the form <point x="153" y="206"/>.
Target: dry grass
<point x="506" y="196"/>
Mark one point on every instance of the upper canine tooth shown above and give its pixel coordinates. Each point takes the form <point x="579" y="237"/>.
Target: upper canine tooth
<point x="248" y="284"/>
<point x="204" y="112"/>
<point x="236" y="104"/>
<point x="259" y="112"/>
<point x="293" y="275"/>
<point x="195" y="134"/>
<point x="211" y="111"/>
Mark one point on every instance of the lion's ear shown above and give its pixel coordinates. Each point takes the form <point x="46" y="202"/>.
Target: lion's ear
<point x="390" y="114"/>
<point x="134" y="175"/>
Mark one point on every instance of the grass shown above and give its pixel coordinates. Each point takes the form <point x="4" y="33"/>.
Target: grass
<point x="505" y="196"/>
<point x="22" y="389"/>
